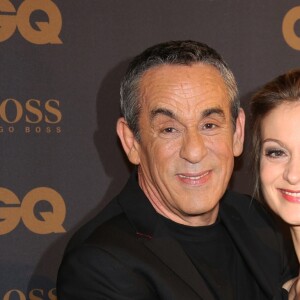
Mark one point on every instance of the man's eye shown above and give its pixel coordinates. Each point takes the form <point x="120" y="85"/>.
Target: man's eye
<point x="209" y="126"/>
<point x="169" y="130"/>
<point x="274" y="153"/>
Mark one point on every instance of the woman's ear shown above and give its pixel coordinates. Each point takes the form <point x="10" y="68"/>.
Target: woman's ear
<point x="128" y="141"/>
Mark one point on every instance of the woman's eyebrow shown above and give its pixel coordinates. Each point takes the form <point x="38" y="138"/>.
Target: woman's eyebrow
<point x="274" y="141"/>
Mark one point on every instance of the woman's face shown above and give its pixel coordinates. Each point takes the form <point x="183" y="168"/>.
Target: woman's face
<point x="280" y="161"/>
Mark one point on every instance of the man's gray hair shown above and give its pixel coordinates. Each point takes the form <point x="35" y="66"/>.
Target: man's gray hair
<point x="171" y="53"/>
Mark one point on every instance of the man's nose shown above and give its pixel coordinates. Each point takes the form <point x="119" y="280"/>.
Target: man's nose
<point x="292" y="170"/>
<point x="193" y="147"/>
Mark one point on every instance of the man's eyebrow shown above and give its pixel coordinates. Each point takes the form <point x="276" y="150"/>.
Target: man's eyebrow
<point x="166" y="112"/>
<point x="213" y="110"/>
<point x="162" y="111"/>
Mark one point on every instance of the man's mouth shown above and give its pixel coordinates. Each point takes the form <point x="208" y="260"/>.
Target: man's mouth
<point x="194" y="178"/>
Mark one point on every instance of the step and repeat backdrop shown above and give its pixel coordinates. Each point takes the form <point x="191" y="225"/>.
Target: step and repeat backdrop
<point x="61" y="62"/>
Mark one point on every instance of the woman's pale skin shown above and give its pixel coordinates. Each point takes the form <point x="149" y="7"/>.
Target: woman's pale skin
<point x="280" y="166"/>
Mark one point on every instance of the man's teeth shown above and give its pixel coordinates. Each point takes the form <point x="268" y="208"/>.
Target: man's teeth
<point x="193" y="177"/>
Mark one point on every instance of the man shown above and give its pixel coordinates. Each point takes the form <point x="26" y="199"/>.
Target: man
<point x="174" y="232"/>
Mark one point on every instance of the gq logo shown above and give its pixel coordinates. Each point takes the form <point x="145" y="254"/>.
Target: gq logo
<point x="288" y="28"/>
<point x="11" y="19"/>
<point x="15" y="211"/>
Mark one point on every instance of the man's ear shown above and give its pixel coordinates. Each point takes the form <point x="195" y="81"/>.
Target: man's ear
<point x="128" y="141"/>
<point x="239" y="134"/>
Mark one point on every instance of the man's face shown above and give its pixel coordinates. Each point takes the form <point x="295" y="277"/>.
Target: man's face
<point x="187" y="141"/>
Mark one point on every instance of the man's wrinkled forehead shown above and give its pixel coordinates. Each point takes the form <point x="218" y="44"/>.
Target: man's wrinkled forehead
<point x="184" y="80"/>
<point x="167" y="69"/>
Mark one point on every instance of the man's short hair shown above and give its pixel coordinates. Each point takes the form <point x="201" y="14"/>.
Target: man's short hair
<point x="171" y="53"/>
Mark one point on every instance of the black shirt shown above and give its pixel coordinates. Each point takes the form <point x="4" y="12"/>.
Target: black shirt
<point x="215" y="256"/>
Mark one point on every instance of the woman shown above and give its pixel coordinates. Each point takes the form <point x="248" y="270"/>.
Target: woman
<point x="275" y="111"/>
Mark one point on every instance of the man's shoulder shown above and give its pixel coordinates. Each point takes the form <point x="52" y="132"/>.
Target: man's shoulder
<point x="117" y="230"/>
<point x="130" y="203"/>
<point x="247" y="207"/>
<point x="242" y="202"/>
<point x="237" y="199"/>
<point x="112" y="210"/>
<point x="256" y="216"/>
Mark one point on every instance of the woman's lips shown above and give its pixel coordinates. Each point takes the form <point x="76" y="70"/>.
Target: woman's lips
<point x="194" y="179"/>
<point x="291" y="196"/>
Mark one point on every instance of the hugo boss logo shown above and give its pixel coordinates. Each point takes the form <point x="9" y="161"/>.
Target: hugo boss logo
<point x="34" y="294"/>
<point x="289" y="28"/>
<point x="33" y="114"/>
<point x="39" y="221"/>
<point x="43" y="32"/>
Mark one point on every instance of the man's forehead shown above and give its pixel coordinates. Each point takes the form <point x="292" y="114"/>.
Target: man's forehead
<point x="183" y="78"/>
<point x="167" y="69"/>
<point x="177" y="87"/>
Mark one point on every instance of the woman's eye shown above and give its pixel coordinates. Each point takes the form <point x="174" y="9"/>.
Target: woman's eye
<point x="274" y="153"/>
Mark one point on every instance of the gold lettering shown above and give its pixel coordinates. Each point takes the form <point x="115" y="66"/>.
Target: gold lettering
<point x="19" y="111"/>
<point x="34" y="110"/>
<point x="19" y="293"/>
<point x="52" y="110"/>
<point x="9" y="216"/>
<point x="52" y="294"/>
<point x="8" y="23"/>
<point x="288" y="28"/>
<point x="48" y="31"/>
<point x="34" y="296"/>
<point x="53" y="221"/>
